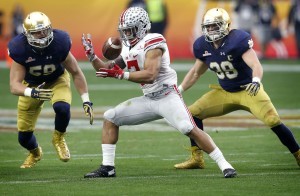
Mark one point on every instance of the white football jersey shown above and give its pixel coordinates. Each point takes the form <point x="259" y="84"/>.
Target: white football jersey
<point x="135" y="58"/>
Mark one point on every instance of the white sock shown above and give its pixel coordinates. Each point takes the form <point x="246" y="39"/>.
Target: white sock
<point x="218" y="157"/>
<point x="108" y="154"/>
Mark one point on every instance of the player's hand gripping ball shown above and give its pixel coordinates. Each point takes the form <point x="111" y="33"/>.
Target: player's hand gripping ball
<point x="112" y="48"/>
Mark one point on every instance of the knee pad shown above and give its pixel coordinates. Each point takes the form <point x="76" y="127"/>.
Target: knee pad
<point x="272" y="120"/>
<point x="185" y="127"/>
<point x="61" y="108"/>
<point x="109" y="114"/>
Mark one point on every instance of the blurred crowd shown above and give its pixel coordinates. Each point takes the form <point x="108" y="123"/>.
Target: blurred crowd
<point x="16" y="26"/>
<point x="260" y="18"/>
<point x="157" y="11"/>
<point x="16" y="21"/>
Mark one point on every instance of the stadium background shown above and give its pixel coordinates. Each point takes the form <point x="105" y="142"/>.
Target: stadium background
<point x="100" y="18"/>
<point x="145" y="159"/>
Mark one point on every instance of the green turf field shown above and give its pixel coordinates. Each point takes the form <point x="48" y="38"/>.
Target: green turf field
<point x="145" y="155"/>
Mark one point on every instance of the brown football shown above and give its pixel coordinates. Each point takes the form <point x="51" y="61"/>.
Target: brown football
<point x="112" y="48"/>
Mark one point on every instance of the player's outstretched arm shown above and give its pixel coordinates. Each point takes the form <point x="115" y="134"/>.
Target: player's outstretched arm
<point x="146" y="76"/>
<point x="193" y="75"/>
<point x="80" y="84"/>
<point x="97" y="63"/>
<point x="115" y="72"/>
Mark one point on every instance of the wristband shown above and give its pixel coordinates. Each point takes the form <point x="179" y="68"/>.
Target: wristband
<point x="93" y="58"/>
<point x="180" y="89"/>
<point x="85" y="97"/>
<point x="27" y="92"/>
<point x="126" y="75"/>
<point x="256" y="79"/>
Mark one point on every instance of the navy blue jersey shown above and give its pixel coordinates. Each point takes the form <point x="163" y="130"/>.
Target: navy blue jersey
<point x="41" y="66"/>
<point x="226" y="61"/>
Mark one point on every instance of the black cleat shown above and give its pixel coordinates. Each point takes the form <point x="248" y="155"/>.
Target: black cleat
<point x="229" y="173"/>
<point x="105" y="171"/>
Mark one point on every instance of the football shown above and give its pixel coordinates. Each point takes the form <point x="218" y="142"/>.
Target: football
<point x="112" y="48"/>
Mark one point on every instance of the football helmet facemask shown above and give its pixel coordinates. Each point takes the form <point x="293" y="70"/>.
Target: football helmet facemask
<point x="133" y="25"/>
<point x="38" y="30"/>
<point x="215" y="24"/>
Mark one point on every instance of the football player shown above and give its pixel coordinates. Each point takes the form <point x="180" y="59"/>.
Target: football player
<point x="229" y="54"/>
<point x="145" y="60"/>
<point x="40" y="71"/>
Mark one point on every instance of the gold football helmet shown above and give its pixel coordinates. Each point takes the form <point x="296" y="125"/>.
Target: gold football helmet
<point x="215" y="24"/>
<point x="38" y="30"/>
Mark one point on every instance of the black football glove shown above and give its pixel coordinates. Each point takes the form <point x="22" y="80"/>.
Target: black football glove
<point x="41" y="94"/>
<point x="88" y="110"/>
<point x="252" y="88"/>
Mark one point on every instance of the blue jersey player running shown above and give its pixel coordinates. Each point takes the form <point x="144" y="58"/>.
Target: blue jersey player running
<point x="229" y="54"/>
<point x="42" y="62"/>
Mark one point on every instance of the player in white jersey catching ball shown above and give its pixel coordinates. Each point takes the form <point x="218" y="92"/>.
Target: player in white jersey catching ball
<point x="145" y="60"/>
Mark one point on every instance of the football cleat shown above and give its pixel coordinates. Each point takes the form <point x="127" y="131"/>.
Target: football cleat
<point x="229" y="173"/>
<point x="297" y="157"/>
<point x="196" y="161"/>
<point x="33" y="157"/>
<point x="60" y="145"/>
<point x="105" y="171"/>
